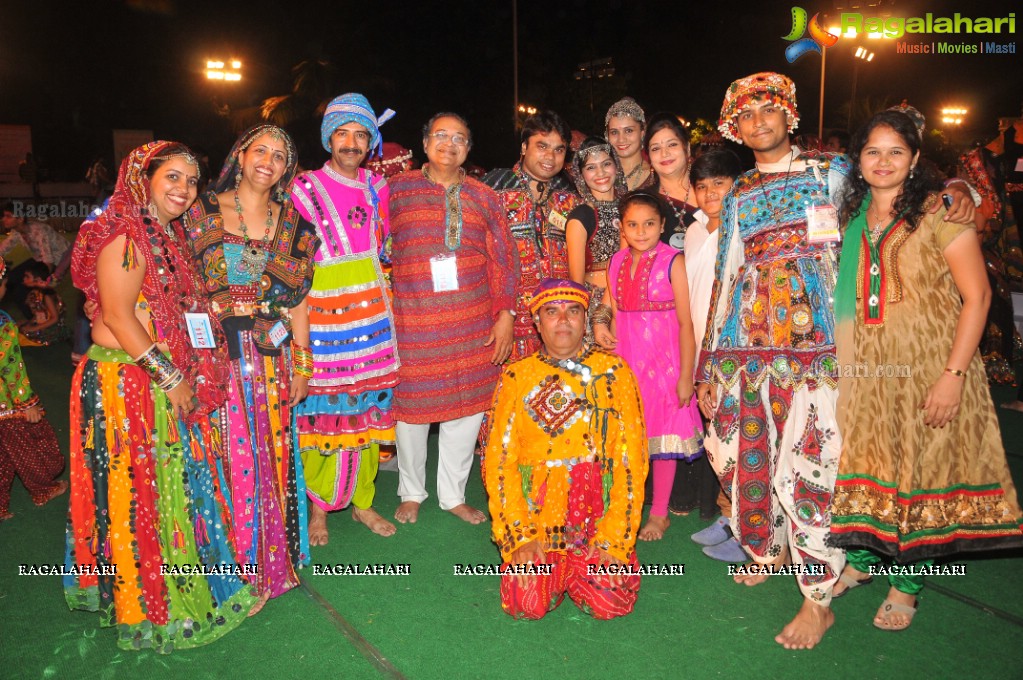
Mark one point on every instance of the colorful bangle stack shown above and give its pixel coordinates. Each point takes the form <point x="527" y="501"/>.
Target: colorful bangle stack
<point x="601" y="314"/>
<point x="160" y="369"/>
<point x="302" y="360"/>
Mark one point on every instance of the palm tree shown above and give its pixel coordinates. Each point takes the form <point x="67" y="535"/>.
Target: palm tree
<point x="863" y="109"/>
<point x="314" y="83"/>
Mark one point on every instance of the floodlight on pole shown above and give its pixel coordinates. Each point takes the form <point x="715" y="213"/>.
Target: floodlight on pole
<point x="861" y="54"/>
<point x="217" y="70"/>
<point x="953" y="115"/>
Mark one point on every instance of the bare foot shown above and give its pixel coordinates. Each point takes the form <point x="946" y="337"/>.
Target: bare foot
<point x="752" y="578"/>
<point x="468" y="513"/>
<point x="752" y="574"/>
<point x="256" y="608"/>
<point x="857" y="577"/>
<point x="654" y="528"/>
<point x="53" y="493"/>
<point x="807" y="628"/>
<point x="6" y="515"/>
<point x="407" y="512"/>
<point x="1016" y="405"/>
<point x="896" y="612"/>
<point x="372" y="519"/>
<point x="317" y="525"/>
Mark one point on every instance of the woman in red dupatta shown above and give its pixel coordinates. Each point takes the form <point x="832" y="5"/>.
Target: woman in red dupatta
<point x="149" y="535"/>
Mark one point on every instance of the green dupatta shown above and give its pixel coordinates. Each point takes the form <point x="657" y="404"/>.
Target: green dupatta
<point x="845" y="297"/>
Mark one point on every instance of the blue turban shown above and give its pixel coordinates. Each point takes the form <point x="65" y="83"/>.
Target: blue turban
<point x="353" y="108"/>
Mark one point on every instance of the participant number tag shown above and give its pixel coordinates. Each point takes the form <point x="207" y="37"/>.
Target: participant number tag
<point x="200" y="332"/>
<point x="278" y="334"/>
<point x="822" y="224"/>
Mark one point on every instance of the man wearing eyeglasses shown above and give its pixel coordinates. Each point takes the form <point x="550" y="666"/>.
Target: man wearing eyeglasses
<point x="537" y="199"/>
<point x="347" y="415"/>
<point x="454" y="274"/>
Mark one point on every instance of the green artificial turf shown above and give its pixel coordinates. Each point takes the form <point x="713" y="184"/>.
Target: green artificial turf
<point x="434" y="624"/>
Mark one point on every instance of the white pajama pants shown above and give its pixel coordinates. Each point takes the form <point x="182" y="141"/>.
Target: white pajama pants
<point x="456" y="447"/>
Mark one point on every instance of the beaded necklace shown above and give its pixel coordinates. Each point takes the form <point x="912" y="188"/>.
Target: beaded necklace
<point x="573" y="365"/>
<point x="254" y="257"/>
<point x="544" y="189"/>
<point x="632" y="173"/>
<point x="679" y="214"/>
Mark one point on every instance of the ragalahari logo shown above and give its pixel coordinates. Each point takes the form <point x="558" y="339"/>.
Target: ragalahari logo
<point x="819" y="38"/>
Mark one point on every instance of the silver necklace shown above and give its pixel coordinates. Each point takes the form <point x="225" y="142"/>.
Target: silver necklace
<point x="254" y="256"/>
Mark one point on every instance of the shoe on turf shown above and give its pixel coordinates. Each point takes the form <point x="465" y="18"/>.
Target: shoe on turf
<point x="715" y="533"/>
<point x="730" y="551"/>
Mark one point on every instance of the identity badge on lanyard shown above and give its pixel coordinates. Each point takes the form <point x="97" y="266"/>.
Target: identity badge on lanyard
<point x="822" y="224"/>
<point x="200" y="332"/>
<point x="444" y="269"/>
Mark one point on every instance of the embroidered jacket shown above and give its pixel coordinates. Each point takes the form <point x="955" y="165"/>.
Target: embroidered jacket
<point x="566" y="459"/>
<point x="283" y="284"/>
<point x="539" y="231"/>
<point x="771" y="314"/>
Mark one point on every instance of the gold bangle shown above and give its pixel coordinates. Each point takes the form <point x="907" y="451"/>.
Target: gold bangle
<point x="956" y="372"/>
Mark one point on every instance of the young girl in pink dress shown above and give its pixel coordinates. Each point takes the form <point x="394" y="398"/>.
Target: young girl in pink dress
<point x="652" y="329"/>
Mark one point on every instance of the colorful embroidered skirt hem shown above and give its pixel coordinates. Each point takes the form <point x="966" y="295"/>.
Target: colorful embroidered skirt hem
<point x="922" y="524"/>
<point x="148" y="518"/>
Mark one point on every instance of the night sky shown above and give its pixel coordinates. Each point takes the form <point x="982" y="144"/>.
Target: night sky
<point x="74" y="71"/>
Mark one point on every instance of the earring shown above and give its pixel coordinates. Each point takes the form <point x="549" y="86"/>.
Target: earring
<point x="912" y="169"/>
<point x="238" y="180"/>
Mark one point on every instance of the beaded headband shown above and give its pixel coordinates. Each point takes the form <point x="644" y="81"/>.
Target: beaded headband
<point x="775" y="87"/>
<point x="276" y="133"/>
<point x="231" y="172"/>
<point x="626" y="107"/>
<point x="558" y="290"/>
<point x="189" y="158"/>
<point x="582" y="154"/>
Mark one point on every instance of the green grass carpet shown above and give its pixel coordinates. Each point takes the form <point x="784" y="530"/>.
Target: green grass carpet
<point x="433" y="624"/>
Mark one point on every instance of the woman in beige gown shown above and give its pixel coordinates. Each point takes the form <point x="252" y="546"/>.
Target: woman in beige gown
<point x="923" y="473"/>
